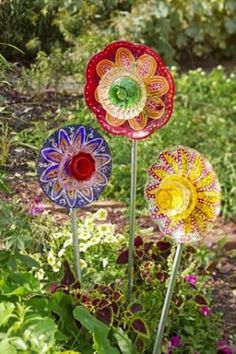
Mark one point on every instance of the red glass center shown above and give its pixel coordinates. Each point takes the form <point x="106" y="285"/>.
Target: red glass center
<point x="82" y="166"/>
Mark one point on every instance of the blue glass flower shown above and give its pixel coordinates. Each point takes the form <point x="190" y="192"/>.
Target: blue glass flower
<point x="74" y="166"/>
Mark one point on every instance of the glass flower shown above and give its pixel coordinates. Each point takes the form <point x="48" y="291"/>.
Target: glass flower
<point x="74" y="166"/>
<point x="129" y="89"/>
<point x="184" y="194"/>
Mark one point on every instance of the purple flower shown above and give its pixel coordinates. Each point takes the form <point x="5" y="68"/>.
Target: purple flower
<point x="175" y="341"/>
<point x="223" y="348"/>
<point x="191" y="279"/>
<point x="204" y="310"/>
<point x="36" y="207"/>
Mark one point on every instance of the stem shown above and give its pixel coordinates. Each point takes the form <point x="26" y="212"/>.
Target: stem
<point x="132" y="218"/>
<point x="76" y="244"/>
<point x="168" y="297"/>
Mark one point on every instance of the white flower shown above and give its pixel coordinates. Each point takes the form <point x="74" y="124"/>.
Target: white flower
<point x="40" y="274"/>
<point x="57" y="267"/>
<point x="106" y="229"/>
<point x="67" y="243"/>
<point x="101" y="215"/>
<point x="51" y="258"/>
<point x="61" y="252"/>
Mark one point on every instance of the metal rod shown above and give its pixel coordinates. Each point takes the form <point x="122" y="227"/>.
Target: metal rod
<point x="76" y="244"/>
<point x="132" y="218"/>
<point x="168" y="297"/>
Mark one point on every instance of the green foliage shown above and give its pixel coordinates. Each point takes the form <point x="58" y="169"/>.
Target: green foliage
<point x="179" y="30"/>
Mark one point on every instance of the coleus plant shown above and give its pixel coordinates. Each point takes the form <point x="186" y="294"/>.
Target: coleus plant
<point x="108" y="303"/>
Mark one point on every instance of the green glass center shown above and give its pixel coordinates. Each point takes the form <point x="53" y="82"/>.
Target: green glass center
<point x="125" y="92"/>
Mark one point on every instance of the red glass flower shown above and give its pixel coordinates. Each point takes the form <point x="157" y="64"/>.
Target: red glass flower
<point x="130" y="89"/>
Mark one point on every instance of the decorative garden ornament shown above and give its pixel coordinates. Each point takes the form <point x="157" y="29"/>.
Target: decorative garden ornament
<point x="184" y="195"/>
<point x="131" y="91"/>
<point x="74" y="166"/>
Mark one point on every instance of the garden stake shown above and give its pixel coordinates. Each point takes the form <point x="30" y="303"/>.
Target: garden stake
<point x="132" y="217"/>
<point x="76" y="244"/>
<point x="184" y="195"/>
<point x="168" y="297"/>
<point x="74" y="167"/>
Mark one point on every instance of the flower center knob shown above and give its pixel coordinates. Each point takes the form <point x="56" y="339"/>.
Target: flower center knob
<point x="124" y="92"/>
<point x="82" y="166"/>
<point x="174" y="197"/>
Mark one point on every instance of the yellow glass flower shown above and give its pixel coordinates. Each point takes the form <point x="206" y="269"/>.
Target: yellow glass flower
<point x="184" y="193"/>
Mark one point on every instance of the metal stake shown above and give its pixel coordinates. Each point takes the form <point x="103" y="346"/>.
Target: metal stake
<point x="168" y="297"/>
<point x="132" y="218"/>
<point x="76" y="244"/>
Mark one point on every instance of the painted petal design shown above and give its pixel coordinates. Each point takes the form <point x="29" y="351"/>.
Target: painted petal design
<point x="115" y="122"/>
<point x="100" y="179"/>
<point x="157" y="85"/>
<point x="124" y="58"/>
<point x="154" y="107"/>
<point x="102" y="160"/>
<point x="140" y="122"/>
<point x="52" y="155"/>
<point x="80" y="136"/>
<point x="146" y="66"/>
<point x="56" y="190"/>
<point x="207" y="180"/>
<point x="94" y="145"/>
<point x="87" y="193"/>
<point x="49" y="174"/>
<point x="71" y="197"/>
<point x="79" y="173"/>
<point x="158" y="172"/>
<point x="64" y="140"/>
<point x="184" y="161"/>
<point x="103" y="66"/>
<point x="170" y="161"/>
<point x="196" y="168"/>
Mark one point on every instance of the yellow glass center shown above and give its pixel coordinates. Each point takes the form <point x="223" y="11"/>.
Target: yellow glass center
<point x="176" y="195"/>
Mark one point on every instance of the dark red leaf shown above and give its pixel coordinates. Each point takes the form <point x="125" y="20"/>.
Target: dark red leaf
<point x="103" y="303"/>
<point x="95" y="302"/>
<point x="115" y="307"/>
<point x="163" y="246"/>
<point x="140" y="326"/>
<point x="136" y="307"/>
<point x="147" y="246"/>
<point x="201" y="300"/>
<point x="139" y="253"/>
<point x="138" y="241"/>
<point x="117" y="296"/>
<point x="160" y="276"/>
<point x="105" y="315"/>
<point x="123" y="257"/>
<point x="69" y="277"/>
<point x="140" y="345"/>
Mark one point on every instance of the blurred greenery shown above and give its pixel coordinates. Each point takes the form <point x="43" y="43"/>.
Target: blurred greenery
<point x="180" y="30"/>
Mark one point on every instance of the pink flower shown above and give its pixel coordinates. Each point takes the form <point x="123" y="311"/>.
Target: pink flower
<point x="175" y="341"/>
<point x="36" y="207"/>
<point x="204" y="310"/>
<point x="191" y="279"/>
<point x="223" y="348"/>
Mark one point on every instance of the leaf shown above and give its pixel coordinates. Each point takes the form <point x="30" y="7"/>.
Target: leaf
<point x="99" y="330"/>
<point x="140" y="327"/>
<point x="29" y="261"/>
<point x="123" y="257"/>
<point x="136" y="307"/>
<point x="105" y="315"/>
<point x="6" y="347"/>
<point x="123" y="341"/>
<point x="6" y="309"/>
